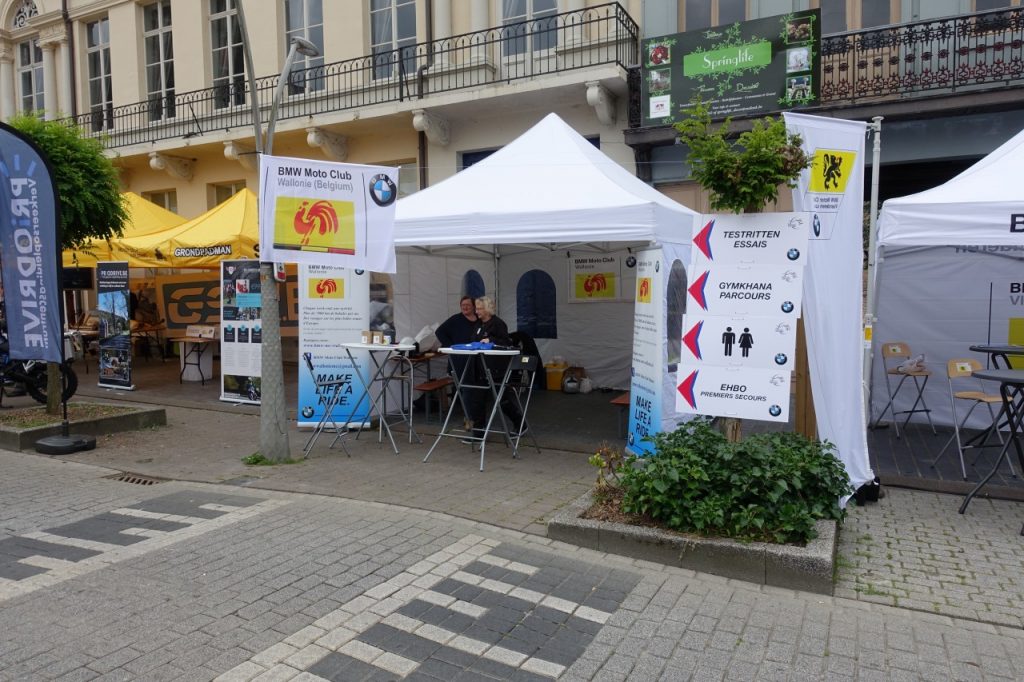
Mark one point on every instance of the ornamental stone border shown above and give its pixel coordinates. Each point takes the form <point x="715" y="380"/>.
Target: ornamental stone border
<point x="139" y="418"/>
<point x="809" y="568"/>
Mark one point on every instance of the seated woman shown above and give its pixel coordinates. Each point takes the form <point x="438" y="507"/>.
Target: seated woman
<point x="491" y="329"/>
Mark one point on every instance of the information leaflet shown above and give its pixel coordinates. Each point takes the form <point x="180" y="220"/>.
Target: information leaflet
<point x="115" y="335"/>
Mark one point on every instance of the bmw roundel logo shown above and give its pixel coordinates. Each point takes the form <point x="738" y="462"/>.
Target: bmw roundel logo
<point x="816" y="225"/>
<point x="307" y="411"/>
<point x="775" y="410"/>
<point x="383" y="190"/>
<point x="359" y="271"/>
<point x="631" y="261"/>
<point x="780" y="358"/>
<point x="787" y="306"/>
<point x="630" y="440"/>
<point x="793" y="254"/>
<point x="657" y="265"/>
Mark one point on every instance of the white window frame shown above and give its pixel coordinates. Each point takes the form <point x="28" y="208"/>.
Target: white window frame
<point x="234" y="78"/>
<point x="531" y="17"/>
<point x="36" y="99"/>
<point x="101" y="104"/>
<point x="164" y="198"/>
<point x="228" y="189"/>
<point x="301" y="79"/>
<point x="160" y="96"/>
<point x="393" y="42"/>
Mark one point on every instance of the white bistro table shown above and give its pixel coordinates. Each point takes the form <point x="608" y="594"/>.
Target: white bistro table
<point x="496" y="388"/>
<point x="384" y="372"/>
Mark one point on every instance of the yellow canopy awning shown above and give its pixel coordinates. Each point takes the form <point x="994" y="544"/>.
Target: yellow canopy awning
<point x="225" y="232"/>
<point x="144" y="217"/>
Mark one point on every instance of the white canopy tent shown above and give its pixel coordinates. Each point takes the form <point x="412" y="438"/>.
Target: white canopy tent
<point x="548" y="191"/>
<point x="949" y="259"/>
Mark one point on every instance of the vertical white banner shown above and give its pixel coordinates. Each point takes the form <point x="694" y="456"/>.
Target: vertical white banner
<point x="648" y="370"/>
<point x="832" y="190"/>
<point x="334" y="308"/>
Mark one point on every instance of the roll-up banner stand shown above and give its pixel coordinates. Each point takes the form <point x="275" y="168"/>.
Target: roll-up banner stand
<point x="241" y="332"/>
<point x="115" y="339"/>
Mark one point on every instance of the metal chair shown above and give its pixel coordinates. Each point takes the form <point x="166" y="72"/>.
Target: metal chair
<point x="331" y="388"/>
<point x="519" y="390"/>
<point x="961" y="369"/>
<point x="895" y="357"/>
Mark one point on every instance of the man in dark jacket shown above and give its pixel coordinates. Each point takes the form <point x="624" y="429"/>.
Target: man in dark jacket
<point x="460" y="328"/>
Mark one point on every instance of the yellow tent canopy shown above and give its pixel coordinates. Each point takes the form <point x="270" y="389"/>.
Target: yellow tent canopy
<point x="228" y="231"/>
<point x="144" y="217"/>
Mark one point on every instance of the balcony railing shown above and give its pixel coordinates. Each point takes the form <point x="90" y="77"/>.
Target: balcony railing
<point x="515" y="51"/>
<point x="954" y="55"/>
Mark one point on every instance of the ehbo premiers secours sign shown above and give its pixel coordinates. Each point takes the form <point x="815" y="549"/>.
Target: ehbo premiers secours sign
<point x="29" y="246"/>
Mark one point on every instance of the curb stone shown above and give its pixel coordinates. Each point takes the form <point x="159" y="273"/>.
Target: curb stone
<point x="141" y="418"/>
<point x="809" y="568"/>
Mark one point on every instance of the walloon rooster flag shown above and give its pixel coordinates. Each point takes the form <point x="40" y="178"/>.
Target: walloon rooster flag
<point x="324" y="213"/>
<point x="29" y="249"/>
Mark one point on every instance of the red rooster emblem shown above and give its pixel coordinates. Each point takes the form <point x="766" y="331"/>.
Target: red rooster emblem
<point x="326" y="286"/>
<point x="645" y="288"/>
<point x="595" y="283"/>
<point x="319" y="216"/>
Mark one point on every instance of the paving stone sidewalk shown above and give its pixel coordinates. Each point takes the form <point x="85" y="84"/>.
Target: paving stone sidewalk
<point x="200" y="581"/>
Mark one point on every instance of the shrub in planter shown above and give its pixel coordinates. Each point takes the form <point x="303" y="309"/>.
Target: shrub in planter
<point x="769" y="487"/>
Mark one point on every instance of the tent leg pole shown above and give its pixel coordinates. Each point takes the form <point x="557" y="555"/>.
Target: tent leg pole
<point x="869" y="315"/>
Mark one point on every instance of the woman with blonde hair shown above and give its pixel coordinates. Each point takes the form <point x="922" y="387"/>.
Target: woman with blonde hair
<point x="491" y="328"/>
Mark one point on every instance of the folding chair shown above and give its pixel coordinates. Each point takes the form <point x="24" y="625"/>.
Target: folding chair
<point x="520" y="390"/>
<point x="893" y="354"/>
<point x="332" y="390"/>
<point x="960" y="369"/>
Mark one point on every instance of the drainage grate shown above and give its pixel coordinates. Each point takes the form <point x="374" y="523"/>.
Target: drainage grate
<point x="137" y="479"/>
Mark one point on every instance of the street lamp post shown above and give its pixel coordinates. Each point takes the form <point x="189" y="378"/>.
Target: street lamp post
<point x="273" y="420"/>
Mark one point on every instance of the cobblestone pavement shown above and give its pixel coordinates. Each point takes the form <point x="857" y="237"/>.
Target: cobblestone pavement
<point x="913" y="550"/>
<point x="105" y="580"/>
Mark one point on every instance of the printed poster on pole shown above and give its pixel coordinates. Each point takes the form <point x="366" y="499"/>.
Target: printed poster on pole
<point x="115" y="335"/>
<point x="241" y="332"/>
<point x="334" y="308"/>
<point x="324" y="213"/>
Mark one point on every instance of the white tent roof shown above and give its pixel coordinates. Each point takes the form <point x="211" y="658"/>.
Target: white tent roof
<point x="972" y="209"/>
<point x="549" y="185"/>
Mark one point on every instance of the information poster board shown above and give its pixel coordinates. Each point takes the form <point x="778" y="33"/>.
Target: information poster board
<point x="334" y="306"/>
<point x="647" y="370"/>
<point x="748" y="68"/>
<point x="115" y="334"/>
<point x="241" y="332"/>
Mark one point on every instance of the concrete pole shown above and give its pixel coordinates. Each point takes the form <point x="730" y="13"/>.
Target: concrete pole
<point x="50" y="103"/>
<point x="869" y="316"/>
<point x="7" y="102"/>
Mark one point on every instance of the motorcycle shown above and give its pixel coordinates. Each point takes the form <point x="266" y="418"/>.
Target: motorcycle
<point x="31" y="375"/>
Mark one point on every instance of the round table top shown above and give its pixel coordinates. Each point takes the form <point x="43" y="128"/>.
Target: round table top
<point x="1003" y="376"/>
<point x="492" y="351"/>
<point x="379" y="346"/>
<point x="1005" y="348"/>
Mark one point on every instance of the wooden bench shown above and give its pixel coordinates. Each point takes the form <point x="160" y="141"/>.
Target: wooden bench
<point x="621" y="401"/>
<point x="438" y="390"/>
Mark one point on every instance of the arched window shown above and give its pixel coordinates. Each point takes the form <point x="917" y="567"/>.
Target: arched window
<point x="535" y="305"/>
<point x="473" y="284"/>
<point x="676" y="300"/>
<point x="26" y="11"/>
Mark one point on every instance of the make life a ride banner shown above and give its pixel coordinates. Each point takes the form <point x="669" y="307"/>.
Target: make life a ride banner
<point x="115" y="333"/>
<point x="334" y="308"/>
<point x="324" y="213"/>
<point x="241" y="332"/>
<point x="29" y="241"/>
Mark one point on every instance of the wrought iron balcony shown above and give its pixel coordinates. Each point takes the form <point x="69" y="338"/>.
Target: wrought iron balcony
<point x="515" y="51"/>
<point x="966" y="53"/>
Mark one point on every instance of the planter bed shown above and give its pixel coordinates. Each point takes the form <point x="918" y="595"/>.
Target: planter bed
<point x="12" y="438"/>
<point x="807" y="568"/>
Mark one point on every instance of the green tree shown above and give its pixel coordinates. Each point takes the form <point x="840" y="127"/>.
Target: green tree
<point x="91" y="204"/>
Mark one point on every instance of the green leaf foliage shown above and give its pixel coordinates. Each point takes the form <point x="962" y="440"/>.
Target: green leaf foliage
<point x="742" y="173"/>
<point x="91" y="204"/>
<point x="770" y="487"/>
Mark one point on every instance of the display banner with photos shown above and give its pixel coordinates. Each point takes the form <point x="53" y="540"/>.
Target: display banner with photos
<point x="743" y="69"/>
<point x="766" y="342"/>
<point x="334" y="306"/>
<point x="751" y="290"/>
<point x="194" y="298"/>
<point x="754" y="238"/>
<point x="325" y="213"/>
<point x="29" y="242"/>
<point x="740" y="392"/>
<point x="115" y="333"/>
<point x="594" y="278"/>
<point x="241" y="332"/>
